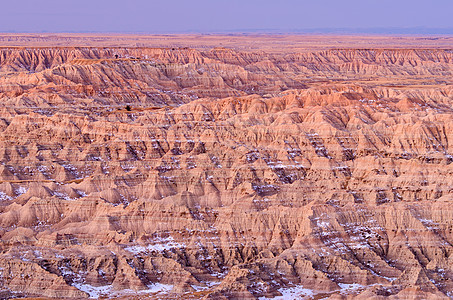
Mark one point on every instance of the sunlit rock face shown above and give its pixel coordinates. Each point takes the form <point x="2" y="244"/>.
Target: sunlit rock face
<point x="225" y="174"/>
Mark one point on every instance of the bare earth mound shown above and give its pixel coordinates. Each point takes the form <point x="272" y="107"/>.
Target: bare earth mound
<point x="219" y="172"/>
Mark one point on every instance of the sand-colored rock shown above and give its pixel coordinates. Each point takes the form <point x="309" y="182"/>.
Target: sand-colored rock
<point x="226" y="174"/>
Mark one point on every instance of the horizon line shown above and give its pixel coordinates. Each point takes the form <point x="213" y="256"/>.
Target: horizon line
<point x="411" y="31"/>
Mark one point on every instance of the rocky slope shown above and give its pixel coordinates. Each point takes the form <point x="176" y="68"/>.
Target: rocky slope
<point x="220" y="174"/>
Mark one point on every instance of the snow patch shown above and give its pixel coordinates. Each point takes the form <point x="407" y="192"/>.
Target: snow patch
<point x="94" y="291"/>
<point x="349" y="287"/>
<point x="293" y="293"/>
<point x="161" y="245"/>
<point x="157" y="288"/>
<point x="64" y="196"/>
<point x="21" y="190"/>
<point x="5" y="197"/>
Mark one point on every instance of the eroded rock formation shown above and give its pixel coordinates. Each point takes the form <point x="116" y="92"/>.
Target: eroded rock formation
<point x="224" y="174"/>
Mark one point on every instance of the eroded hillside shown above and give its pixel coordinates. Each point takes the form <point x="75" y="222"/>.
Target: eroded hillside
<point x="183" y="173"/>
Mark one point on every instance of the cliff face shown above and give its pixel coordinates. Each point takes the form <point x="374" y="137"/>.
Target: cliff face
<point x="225" y="174"/>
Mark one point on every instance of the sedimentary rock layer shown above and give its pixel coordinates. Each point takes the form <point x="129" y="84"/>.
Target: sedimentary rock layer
<point x="225" y="174"/>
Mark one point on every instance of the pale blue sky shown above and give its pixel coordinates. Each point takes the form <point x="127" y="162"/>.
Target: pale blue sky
<point x="160" y="16"/>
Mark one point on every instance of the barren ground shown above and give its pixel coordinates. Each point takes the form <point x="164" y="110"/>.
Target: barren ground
<point x="226" y="167"/>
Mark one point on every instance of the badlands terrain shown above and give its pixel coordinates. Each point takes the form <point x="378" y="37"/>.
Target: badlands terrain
<point x="226" y="167"/>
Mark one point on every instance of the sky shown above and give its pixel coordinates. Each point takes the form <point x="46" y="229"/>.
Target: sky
<point x="184" y="16"/>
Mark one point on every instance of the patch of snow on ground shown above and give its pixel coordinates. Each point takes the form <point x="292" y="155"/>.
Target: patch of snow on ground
<point x="64" y="196"/>
<point x="21" y="190"/>
<point x="209" y="284"/>
<point x="157" y="288"/>
<point x="5" y="197"/>
<point x="293" y="293"/>
<point x="323" y="224"/>
<point x="349" y="287"/>
<point x="94" y="291"/>
<point x="37" y="253"/>
<point x="391" y="279"/>
<point x="161" y="245"/>
<point x="198" y="288"/>
<point x="429" y="224"/>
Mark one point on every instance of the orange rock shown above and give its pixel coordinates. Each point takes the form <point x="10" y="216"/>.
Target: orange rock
<point x="226" y="173"/>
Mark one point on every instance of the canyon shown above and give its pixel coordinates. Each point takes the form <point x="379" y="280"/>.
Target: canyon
<point x="209" y="170"/>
